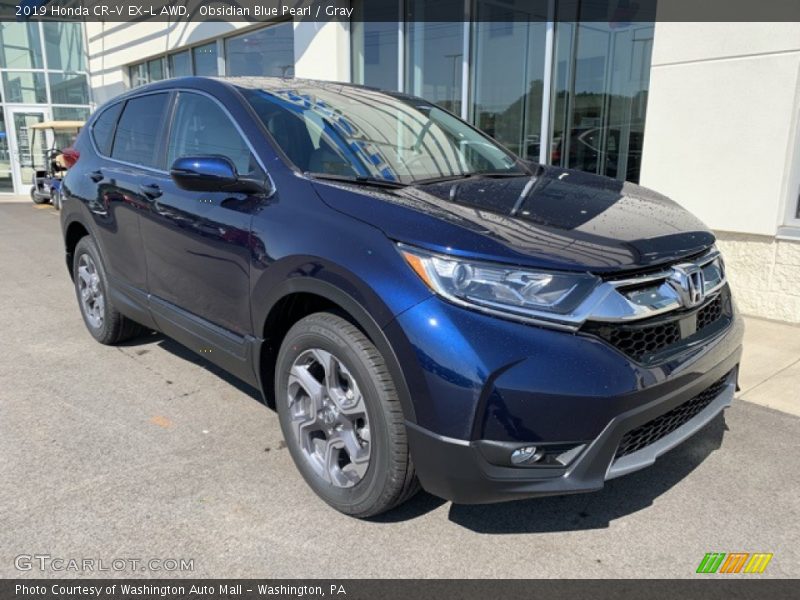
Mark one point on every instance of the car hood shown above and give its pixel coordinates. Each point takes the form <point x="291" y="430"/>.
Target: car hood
<point x="556" y="218"/>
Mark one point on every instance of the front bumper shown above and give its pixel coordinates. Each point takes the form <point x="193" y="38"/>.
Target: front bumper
<point x="458" y="470"/>
<point x="493" y="386"/>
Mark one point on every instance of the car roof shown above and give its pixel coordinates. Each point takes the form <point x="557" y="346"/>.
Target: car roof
<point x="281" y="83"/>
<point x="269" y="84"/>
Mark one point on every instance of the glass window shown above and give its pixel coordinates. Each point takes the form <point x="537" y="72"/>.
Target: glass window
<point x="28" y="88"/>
<point x="601" y="81"/>
<point x="20" y="46"/>
<point x="138" y="74"/>
<point x="64" y="46"/>
<point x="435" y="51"/>
<point x="155" y="70"/>
<point x="103" y="128"/>
<point x="6" y="183"/>
<point x="70" y="113"/>
<point x="352" y="131"/>
<point x="200" y="127"/>
<point x="205" y="60"/>
<point x="507" y="101"/>
<point x="180" y="64"/>
<point x="138" y="130"/>
<point x="374" y="34"/>
<point x="146" y="72"/>
<point x="69" y="88"/>
<point x="268" y="51"/>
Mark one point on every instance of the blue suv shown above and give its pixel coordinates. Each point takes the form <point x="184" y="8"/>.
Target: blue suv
<point x="420" y="306"/>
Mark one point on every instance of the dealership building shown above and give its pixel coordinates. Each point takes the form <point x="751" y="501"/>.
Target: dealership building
<point x="706" y="113"/>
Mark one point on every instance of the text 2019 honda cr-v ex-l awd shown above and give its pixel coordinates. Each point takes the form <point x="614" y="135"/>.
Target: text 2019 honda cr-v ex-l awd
<point x="421" y="306"/>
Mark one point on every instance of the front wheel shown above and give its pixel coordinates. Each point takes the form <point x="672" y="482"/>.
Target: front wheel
<point x="341" y="417"/>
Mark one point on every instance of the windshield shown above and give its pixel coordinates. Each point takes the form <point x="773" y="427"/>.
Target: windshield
<point x="365" y="134"/>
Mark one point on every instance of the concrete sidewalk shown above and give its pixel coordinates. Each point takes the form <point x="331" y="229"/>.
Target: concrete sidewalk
<point x="16" y="199"/>
<point x="770" y="373"/>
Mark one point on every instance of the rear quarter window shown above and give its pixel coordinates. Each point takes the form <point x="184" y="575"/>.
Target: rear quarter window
<point x="103" y="128"/>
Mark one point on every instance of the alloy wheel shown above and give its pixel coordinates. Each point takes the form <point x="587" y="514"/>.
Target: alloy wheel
<point x="91" y="292"/>
<point x="329" y="417"/>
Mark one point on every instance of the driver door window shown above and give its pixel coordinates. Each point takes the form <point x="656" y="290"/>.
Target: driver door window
<point x="201" y="128"/>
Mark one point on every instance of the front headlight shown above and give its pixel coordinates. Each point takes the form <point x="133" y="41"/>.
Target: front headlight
<point x="518" y="291"/>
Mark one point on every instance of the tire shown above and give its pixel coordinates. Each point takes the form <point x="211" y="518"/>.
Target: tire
<point x="38" y="199"/>
<point x="55" y="198"/>
<point x="106" y="324"/>
<point x="313" y="423"/>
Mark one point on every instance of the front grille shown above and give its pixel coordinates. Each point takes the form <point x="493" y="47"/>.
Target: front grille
<point x="645" y="341"/>
<point x="639" y="341"/>
<point x="654" y="430"/>
<point x="709" y="313"/>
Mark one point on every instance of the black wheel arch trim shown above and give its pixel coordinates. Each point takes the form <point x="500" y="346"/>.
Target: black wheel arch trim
<point x="68" y="220"/>
<point x="362" y="317"/>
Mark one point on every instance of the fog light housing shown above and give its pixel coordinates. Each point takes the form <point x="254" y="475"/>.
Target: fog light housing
<point x="526" y="455"/>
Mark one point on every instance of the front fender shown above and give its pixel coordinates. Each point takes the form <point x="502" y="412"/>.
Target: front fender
<point x="353" y="300"/>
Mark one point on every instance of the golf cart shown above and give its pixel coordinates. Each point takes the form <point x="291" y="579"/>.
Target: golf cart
<point x="47" y="176"/>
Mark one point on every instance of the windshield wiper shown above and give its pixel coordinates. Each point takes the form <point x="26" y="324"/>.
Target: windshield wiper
<point x="357" y="179"/>
<point x="470" y="175"/>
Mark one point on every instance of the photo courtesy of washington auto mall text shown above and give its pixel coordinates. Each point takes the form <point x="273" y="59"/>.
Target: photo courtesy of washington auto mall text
<point x="176" y="589"/>
<point x="399" y="299"/>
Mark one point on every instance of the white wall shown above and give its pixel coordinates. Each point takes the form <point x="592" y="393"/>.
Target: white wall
<point x="321" y="49"/>
<point x="720" y="135"/>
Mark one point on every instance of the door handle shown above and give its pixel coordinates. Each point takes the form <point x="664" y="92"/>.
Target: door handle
<point x="151" y="190"/>
<point x="96" y="176"/>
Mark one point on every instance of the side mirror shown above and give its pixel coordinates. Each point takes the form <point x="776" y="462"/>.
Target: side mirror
<point x="212" y="174"/>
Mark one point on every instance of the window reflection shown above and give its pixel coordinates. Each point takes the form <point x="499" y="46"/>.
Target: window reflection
<point x="155" y="69"/>
<point x="64" y="46"/>
<point x="6" y="183"/>
<point x="507" y="99"/>
<point x="68" y="88"/>
<point x="602" y="74"/>
<point x="138" y="74"/>
<point x="205" y="60"/>
<point x="375" y="39"/>
<point x="435" y="52"/>
<point x="25" y="87"/>
<point x="180" y="64"/>
<point x="20" y="46"/>
<point x="70" y="113"/>
<point x="267" y="52"/>
<point x="599" y="86"/>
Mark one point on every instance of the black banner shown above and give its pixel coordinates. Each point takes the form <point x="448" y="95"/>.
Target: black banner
<point x="715" y="588"/>
<point x="608" y="11"/>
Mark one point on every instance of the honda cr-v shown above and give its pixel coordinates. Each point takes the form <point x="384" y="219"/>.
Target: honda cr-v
<point x="419" y="305"/>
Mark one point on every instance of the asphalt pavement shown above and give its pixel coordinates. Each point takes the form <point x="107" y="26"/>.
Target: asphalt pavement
<point x="145" y="451"/>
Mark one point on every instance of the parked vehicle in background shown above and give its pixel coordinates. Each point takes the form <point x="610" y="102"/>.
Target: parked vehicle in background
<point x="418" y="304"/>
<point x="59" y="136"/>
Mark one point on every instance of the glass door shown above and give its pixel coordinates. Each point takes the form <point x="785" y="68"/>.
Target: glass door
<point x="25" y="158"/>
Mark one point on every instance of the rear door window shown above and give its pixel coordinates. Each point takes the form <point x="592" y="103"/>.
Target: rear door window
<point x="103" y="128"/>
<point x="138" y="130"/>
